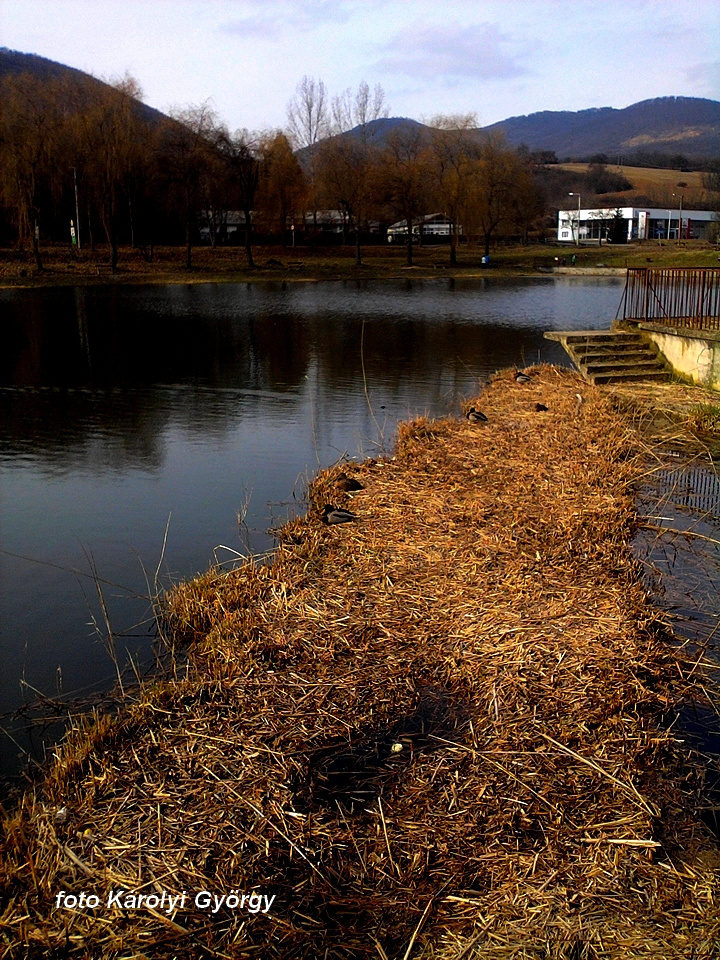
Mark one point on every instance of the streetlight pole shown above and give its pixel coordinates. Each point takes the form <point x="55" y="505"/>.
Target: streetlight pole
<point x="680" y="220"/>
<point x="577" y="238"/>
<point x="77" y="208"/>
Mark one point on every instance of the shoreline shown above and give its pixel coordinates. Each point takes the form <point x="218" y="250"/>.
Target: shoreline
<point x="316" y="265"/>
<point x="454" y="708"/>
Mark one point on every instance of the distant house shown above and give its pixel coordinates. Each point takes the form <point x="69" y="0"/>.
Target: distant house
<point x="432" y="228"/>
<point x="333" y="221"/>
<point x="623" y="224"/>
<point x="226" y="226"/>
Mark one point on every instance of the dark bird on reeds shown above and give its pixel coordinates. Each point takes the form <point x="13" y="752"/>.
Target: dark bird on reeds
<point x="476" y="416"/>
<point x="337" y="515"/>
<point x="540" y="407"/>
<point x="521" y="377"/>
<point x="350" y="484"/>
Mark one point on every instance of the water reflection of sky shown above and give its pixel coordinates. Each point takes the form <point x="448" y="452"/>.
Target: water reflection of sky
<point x="121" y="407"/>
<point x="679" y="545"/>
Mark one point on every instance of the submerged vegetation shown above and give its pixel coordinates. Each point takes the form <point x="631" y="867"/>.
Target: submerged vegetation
<point x="706" y="416"/>
<point x="443" y="729"/>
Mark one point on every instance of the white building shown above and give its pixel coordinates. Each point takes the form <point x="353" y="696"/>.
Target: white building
<point x="431" y="227"/>
<point x="623" y="224"/>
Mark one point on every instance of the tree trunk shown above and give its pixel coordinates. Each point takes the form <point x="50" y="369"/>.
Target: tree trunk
<point x="36" y="249"/>
<point x="132" y="223"/>
<point x="409" y="242"/>
<point x="91" y="235"/>
<point x="453" y="243"/>
<point x="358" y="253"/>
<point x="248" y="238"/>
<point x="108" y="222"/>
<point x="487" y="244"/>
<point x="188" y="247"/>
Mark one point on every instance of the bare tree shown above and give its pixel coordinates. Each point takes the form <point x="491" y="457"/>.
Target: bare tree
<point x="453" y="151"/>
<point x="30" y="121"/>
<point x="191" y="140"/>
<point x="350" y="112"/>
<point x="346" y="160"/>
<point x="282" y="190"/>
<point x="496" y="175"/>
<point x="240" y="154"/>
<point x="402" y="178"/>
<point x="110" y="140"/>
<point x="308" y="123"/>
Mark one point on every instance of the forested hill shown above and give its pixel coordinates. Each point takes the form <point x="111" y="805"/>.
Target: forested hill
<point x="13" y="63"/>
<point x="667" y="125"/>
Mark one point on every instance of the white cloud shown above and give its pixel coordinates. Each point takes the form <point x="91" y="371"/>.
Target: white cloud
<point x="479" y="51"/>
<point x="705" y="78"/>
<point x="272" y="21"/>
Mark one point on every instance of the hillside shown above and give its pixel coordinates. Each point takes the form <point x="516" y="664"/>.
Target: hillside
<point x="12" y="63"/>
<point x="654" y="185"/>
<point x="668" y="125"/>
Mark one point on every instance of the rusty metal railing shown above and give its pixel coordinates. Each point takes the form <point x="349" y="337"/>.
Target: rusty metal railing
<point x="673" y="296"/>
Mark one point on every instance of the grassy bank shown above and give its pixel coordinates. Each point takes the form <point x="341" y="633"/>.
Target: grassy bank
<point x="228" y="264"/>
<point x="440" y="730"/>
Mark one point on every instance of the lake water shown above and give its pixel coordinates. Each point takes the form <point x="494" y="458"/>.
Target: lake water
<point x="124" y="408"/>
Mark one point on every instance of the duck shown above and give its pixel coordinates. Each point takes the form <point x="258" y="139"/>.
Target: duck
<point x="336" y="515"/>
<point x="350" y="484"/>
<point x="521" y="377"/>
<point x="540" y="407"/>
<point x="476" y="416"/>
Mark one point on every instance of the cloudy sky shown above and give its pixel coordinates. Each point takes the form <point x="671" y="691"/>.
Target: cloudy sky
<point x="496" y="58"/>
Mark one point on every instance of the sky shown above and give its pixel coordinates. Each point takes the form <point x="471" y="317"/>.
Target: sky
<point x="495" y="59"/>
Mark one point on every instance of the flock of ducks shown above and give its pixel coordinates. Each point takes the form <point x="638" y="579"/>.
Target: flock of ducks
<point x="333" y="515"/>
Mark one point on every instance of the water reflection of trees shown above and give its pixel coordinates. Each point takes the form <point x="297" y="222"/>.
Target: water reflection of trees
<point x="100" y="374"/>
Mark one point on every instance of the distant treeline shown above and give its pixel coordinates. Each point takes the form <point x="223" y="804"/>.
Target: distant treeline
<point x="653" y="159"/>
<point x="93" y="154"/>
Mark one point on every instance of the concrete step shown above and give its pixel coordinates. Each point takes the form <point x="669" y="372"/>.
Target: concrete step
<point x="649" y="363"/>
<point x="592" y="335"/>
<point x="610" y="356"/>
<point x="627" y="376"/>
<point x="599" y="354"/>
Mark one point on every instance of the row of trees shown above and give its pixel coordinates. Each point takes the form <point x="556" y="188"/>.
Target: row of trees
<point x="94" y="154"/>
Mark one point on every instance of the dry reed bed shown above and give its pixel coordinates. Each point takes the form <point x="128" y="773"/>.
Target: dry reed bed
<point x="434" y="732"/>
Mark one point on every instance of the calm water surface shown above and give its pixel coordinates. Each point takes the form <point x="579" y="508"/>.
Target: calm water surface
<point x="123" y="407"/>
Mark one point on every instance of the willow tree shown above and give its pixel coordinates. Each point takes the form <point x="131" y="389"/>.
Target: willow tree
<point x="401" y="178"/>
<point x="242" y="166"/>
<point x="31" y="124"/>
<point x="190" y="142"/>
<point x="282" y="188"/>
<point x="494" y="187"/>
<point x="453" y="154"/>
<point x="113" y="149"/>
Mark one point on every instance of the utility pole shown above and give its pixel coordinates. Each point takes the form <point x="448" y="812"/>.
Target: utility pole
<point x="77" y="208"/>
<point x="680" y="220"/>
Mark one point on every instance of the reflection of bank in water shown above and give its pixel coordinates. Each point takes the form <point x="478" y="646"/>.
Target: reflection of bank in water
<point x="679" y="544"/>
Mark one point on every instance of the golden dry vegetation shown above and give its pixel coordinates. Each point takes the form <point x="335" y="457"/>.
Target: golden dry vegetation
<point x="653" y="182"/>
<point x="439" y="731"/>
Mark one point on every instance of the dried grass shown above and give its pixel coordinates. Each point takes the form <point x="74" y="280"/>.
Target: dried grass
<point x="485" y="614"/>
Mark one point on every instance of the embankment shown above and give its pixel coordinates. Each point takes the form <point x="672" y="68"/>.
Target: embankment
<point x="440" y="730"/>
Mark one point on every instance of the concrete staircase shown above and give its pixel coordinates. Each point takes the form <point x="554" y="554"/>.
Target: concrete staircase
<point x="611" y="356"/>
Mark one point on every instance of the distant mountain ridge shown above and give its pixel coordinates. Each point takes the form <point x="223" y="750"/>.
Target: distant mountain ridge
<point x="670" y="125"/>
<point x="687" y="126"/>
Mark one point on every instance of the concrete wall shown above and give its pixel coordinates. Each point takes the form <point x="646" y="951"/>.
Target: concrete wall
<point x="692" y="353"/>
